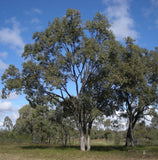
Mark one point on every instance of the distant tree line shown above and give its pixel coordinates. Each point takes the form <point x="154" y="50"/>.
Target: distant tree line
<point x="37" y="126"/>
<point x="82" y="70"/>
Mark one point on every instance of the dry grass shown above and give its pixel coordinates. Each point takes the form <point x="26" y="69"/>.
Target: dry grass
<point x="49" y="152"/>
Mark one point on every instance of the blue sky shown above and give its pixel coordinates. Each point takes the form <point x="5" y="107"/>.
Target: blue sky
<point x="19" y="19"/>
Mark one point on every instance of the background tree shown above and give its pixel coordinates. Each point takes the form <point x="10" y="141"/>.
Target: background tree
<point x="107" y="123"/>
<point x="135" y="92"/>
<point x="8" y="123"/>
<point x="41" y="124"/>
<point x="25" y="121"/>
<point x="44" y="125"/>
<point x="153" y="129"/>
<point x="140" y="132"/>
<point x="154" y="120"/>
<point x="24" y="124"/>
<point x="64" y="117"/>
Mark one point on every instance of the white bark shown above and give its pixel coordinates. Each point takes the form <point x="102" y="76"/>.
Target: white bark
<point x="88" y="143"/>
<point x="82" y="141"/>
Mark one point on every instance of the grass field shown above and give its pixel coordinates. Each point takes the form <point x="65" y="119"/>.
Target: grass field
<point x="50" y="152"/>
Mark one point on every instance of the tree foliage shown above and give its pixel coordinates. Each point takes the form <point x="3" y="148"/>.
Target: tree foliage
<point x="8" y="123"/>
<point x="135" y="91"/>
<point x="83" y="69"/>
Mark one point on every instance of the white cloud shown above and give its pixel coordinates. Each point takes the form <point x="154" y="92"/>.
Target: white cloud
<point x="5" y="106"/>
<point x="3" y="65"/>
<point x="7" y="109"/>
<point x="12" y="37"/>
<point x="118" y="13"/>
<point x="3" y="54"/>
<point x="36" y="10"/>
<point x="33" y="11"/>
<point x="35" y="21"/>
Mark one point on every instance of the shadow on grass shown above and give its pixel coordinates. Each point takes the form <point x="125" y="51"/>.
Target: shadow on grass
<point x="75" y="147"/>
<point x="34" y="146"/>
<point x="109" y="148"/>
<point x="43" y="146"/>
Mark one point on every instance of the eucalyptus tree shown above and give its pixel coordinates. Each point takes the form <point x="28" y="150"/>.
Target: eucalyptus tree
<point x="42" y="126"/>
<point x="60" y="62"/>
<point x="8" y="123"/>
<point x="135" y="91"/>
<point x="36" y="123"/>
<point x="24" y="124"/>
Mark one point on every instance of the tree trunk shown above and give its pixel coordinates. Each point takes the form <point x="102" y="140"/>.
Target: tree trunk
<point x="82" y="145"/>
<point x="88" y="143"/>
<point x="129" y="137"/>
<point x="82" y="138"/>
<point x="89" y="137"/>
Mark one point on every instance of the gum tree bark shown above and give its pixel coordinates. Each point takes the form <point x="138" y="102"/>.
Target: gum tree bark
<point x="89" y="138"/>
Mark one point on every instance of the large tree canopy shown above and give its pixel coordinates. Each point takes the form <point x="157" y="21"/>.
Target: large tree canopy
<point x="62" y="61"/>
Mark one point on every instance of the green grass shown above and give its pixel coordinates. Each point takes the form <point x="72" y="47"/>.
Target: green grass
<point x="51" y="152"/>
